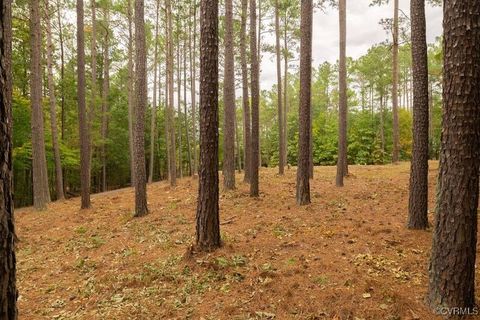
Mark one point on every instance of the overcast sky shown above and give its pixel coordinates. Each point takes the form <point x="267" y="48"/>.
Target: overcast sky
<point x="363" y="31"/>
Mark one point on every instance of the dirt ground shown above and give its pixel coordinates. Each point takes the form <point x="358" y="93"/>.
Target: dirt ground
<point x="347" y="255"/>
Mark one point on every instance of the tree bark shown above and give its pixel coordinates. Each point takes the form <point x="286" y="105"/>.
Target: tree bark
<point x="452" y="263"/>
<point x="105" y="94"/>
<point x="396" y="136"/>
<point x="131" y="98"/>
<point x="342" y="84"/>
<point x="53" y="107"/>
<point x="238" y="146"/>
<point x="418" y="199"/>
<point x="8" y="297"/>
<point x="172" y="170"/>
<point x="62" y="68"/>
<point x="303" y="183"/>
<point x="281" y="151"/>
<point x="185" y="114"/>
<point x="93" y="98"/>
<point x="140" y="106"/>
<point x="167" y="95"/>
<point x="154" y="103"/>
<point x="207" y="218"/>
<point x="82" y="111"/>
<point x="192" y="55"/>
<point x="179" y="98"/>
<point x="229" y="102"/>
<point x="382" y="127"/>
<point x="254" y="161"/>
<point x="41" y="192"/>
<point x="259" y="50"/>
<point x="247" y="144"/>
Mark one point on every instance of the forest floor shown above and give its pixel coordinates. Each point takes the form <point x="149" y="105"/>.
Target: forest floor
<point x="347" y="255"/>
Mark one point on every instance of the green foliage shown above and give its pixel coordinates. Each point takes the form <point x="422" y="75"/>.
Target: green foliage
<point x="369" y="95"/>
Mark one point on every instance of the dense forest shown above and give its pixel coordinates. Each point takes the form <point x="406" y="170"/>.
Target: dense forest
<point x="109" y="54"/>
<point x="112" y="110"/>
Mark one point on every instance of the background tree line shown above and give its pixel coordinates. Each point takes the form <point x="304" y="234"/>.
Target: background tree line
<point x="109" y="93"/>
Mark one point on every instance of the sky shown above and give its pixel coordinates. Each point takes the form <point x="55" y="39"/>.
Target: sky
<point x="363" y="31"/>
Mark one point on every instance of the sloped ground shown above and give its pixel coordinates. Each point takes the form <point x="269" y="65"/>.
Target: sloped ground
<point x="346" y="256"/>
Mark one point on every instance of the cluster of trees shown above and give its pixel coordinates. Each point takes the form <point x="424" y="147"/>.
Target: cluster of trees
<point x="89" y="147"/>
<point x="171" y="111"/>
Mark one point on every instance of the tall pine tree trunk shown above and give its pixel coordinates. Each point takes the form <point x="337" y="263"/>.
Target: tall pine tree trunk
<point x="452" y="262"/>
<point x="9" y="294"/>
<point x="342" y="84"/>
<point x="167" y="109"/>
<point x="238" y="146"/>
<point x="53" y="107"/>
<point x="140" y="106"/>
<point x="396" y="134"/>
<point x="207" y="218"/>
<point x="430" y="117"/>
<point x="192" y="47"/>
<point x="185" y="114"/>
<point x="303" y="183"/>
<point x="247" y="144"/>
<point x="131" y="98"/>
<point x="281" y="152"/>
<point x="105" y="94"/>
<point x="179" y="98"/>
<point x="62" y="68"/>
<point x="82" y="111"/>
<point x="382" y="127"/>
<point x="172" y="168"/>
<point x="285" y="91"/>
<point x="259" y="50"/>
<point x="41" y="192"/>
<point x="93" y="98"/>
<point x="154" y="103"/>
<point x="229" y="102"/>
<point x="254" y="161"/>
<point x="418" y="200"/>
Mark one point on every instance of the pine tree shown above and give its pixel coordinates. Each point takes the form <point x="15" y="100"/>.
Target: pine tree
<point x="41" y="192"/>
<point x="105" y="94"/>
<point x="53" y="107"/>
<point x="342" y="84"/>
<point x="303" y="183"/>
<point x="82" y="111"/>
<point x="247" y="132"/>
<point x="418" y="200"/>
<point x="396" y="36"/>
<point x="452" y="262"/>
<point x="281" y="151"/>
<point x="208" y="225"/>
<point x="229" y="102"/>
<point x="131" y="98"/>
<point x="254" y="82"/>
<point x="140" y="106"/>
<point x="154" y="103"/>
<point x="172" y="168"/>
<point x="8" y="296"/>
